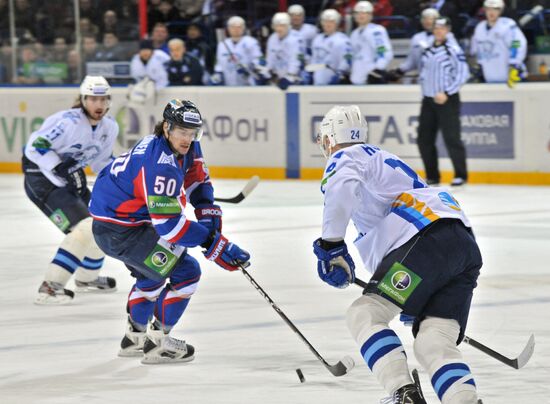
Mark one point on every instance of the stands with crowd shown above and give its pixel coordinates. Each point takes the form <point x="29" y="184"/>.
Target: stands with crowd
<point x="186" y="41"/>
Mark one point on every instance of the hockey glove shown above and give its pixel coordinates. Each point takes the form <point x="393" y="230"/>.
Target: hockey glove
<point x="227" y="255"/>
<point x="209" y="216"/>
<point x="334" y="266"/>
<point x="513" y="76"/>
<point x="70" y="171"/>
<point x="394" y="74"/>
<point x="335" y="79"/>
<point x="243" y="71"/>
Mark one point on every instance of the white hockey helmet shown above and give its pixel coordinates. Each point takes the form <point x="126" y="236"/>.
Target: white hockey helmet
<point x="331" y="14"/>
<point x="494" y="4"/>
<point x="363" y="7"/>
<point x="430" y="13"/>
<point x="296" y="9"/>
<point x="280" y="19"/>
<point x="236" y="21"/>
<point x="342" y="124"/>
<point x="95" y="85"/>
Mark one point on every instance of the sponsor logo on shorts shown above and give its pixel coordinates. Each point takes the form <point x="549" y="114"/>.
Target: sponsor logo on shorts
<point x="399" y="283"/>
<point x="159" y="259"/>
<point x="401" y="280"/>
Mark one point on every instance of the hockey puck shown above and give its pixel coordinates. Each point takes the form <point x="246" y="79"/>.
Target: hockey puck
<point x="300" y="375"/>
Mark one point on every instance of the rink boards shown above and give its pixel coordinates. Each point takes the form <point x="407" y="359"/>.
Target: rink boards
<point x="268" y="132"/>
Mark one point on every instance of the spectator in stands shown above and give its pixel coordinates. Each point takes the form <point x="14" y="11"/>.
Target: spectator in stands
<point x="297" y="21"/>
<point x="372" y="50"/>
<point x="183" y="69"/>
<point x="89" y="47"/>
<point x="73" y="62"/>
<point x="444" y="71"/>
<point x="406" y="8"/>
<point x="239" y="58"/>
<point x="500" y="47"/>
<point x="4" y="19"/>
<point x="124" y="30"/>
<point x="166" y="12"/>
<point x="382" y="8"/>
<point x="87" y="28"/>
<point x="198" y="47"/>
<point x="331" y="51"/>
<point x="189" y="9"/>
<point x="5" y="62"/>
<point x="111" y="50"/>
<point x="87" y="10"/>
<point x="150" y="62"/>
<point x="27" y="72"/>
<point x="284" y="52"/>
<point x="159" y="36"/>
<point x="24" y="15"/>
<point x="59" y="51"/>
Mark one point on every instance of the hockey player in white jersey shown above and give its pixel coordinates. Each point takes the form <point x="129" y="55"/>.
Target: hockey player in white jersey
<point x="239" y="59"/>
<point x="372" y="50"/>
<point x="53" y="162"/>
<point x="285" y="52"/>
<point x="332" y="49"/>
<point x="417" y="242"/>
<point x="297" y="21"/>
<point x="500" y="46"/>
<point x="150" y="62"/>
<point x="419" y="43"/>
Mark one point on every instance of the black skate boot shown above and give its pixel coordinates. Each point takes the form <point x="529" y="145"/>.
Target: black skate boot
<point x="408" y="394"/>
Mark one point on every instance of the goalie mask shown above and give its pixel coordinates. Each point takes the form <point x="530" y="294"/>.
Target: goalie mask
<point x="342" y="124"/>
<point x="184" y="114"/>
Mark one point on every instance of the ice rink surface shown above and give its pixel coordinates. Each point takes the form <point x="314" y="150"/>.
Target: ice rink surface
<point x="244" y="352"/>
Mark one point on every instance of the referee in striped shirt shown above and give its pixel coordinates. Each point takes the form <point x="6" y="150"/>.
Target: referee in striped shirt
<point x="444" y="70"/>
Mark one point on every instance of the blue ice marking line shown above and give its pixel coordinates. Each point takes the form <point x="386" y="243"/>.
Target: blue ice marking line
<point x="292" y="135"/>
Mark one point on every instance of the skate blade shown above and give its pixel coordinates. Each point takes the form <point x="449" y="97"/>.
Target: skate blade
<point x="159" y="360"/>
<point x="130" y="353"/>
<point x="44" y="299"/>
<point x="91" y="289"/>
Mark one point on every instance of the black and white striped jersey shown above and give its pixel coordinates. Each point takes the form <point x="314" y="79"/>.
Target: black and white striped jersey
<point x="444" y="69"/>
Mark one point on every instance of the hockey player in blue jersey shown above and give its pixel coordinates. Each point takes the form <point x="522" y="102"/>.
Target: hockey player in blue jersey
<point x="138" y="209"/>
<point x="53" y="164"/>
<point x="416" y="241"/>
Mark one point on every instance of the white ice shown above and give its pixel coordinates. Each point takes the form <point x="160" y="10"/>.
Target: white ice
<point x="245" y="353"/>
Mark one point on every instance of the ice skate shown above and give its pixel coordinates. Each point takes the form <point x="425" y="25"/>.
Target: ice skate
<point x="53" y="293"/>
<point x="162" y="348"/>
<point x="103" y="284"/>
<point x="132" y="342"/>
<point x="408" y="394"/>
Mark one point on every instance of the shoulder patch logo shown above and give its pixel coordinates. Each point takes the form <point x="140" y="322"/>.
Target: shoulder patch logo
<point x="165" y="159"/>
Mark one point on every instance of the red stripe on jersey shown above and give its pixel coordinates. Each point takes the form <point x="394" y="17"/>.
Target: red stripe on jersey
<point x="196" y="173"/>
<point x="133" y="205"/>
<point x="181" y="232"/>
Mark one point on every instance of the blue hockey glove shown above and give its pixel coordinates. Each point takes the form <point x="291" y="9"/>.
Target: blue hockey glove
<point x="242" y="71"/>
<point x="283" y="83"/>
<point x="227" y="255"/>
<point x="335" y="79"/>
<point x="335" y="266"/>
<point x="407" y="320"/>
<point x="209" y="216"/>
<point x="71" y="172"/>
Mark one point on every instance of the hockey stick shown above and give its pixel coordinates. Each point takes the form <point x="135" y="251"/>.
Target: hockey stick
<point x="339" y="369"/>
<point x="248" y="188"/>
<point x="516" y="363"/>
